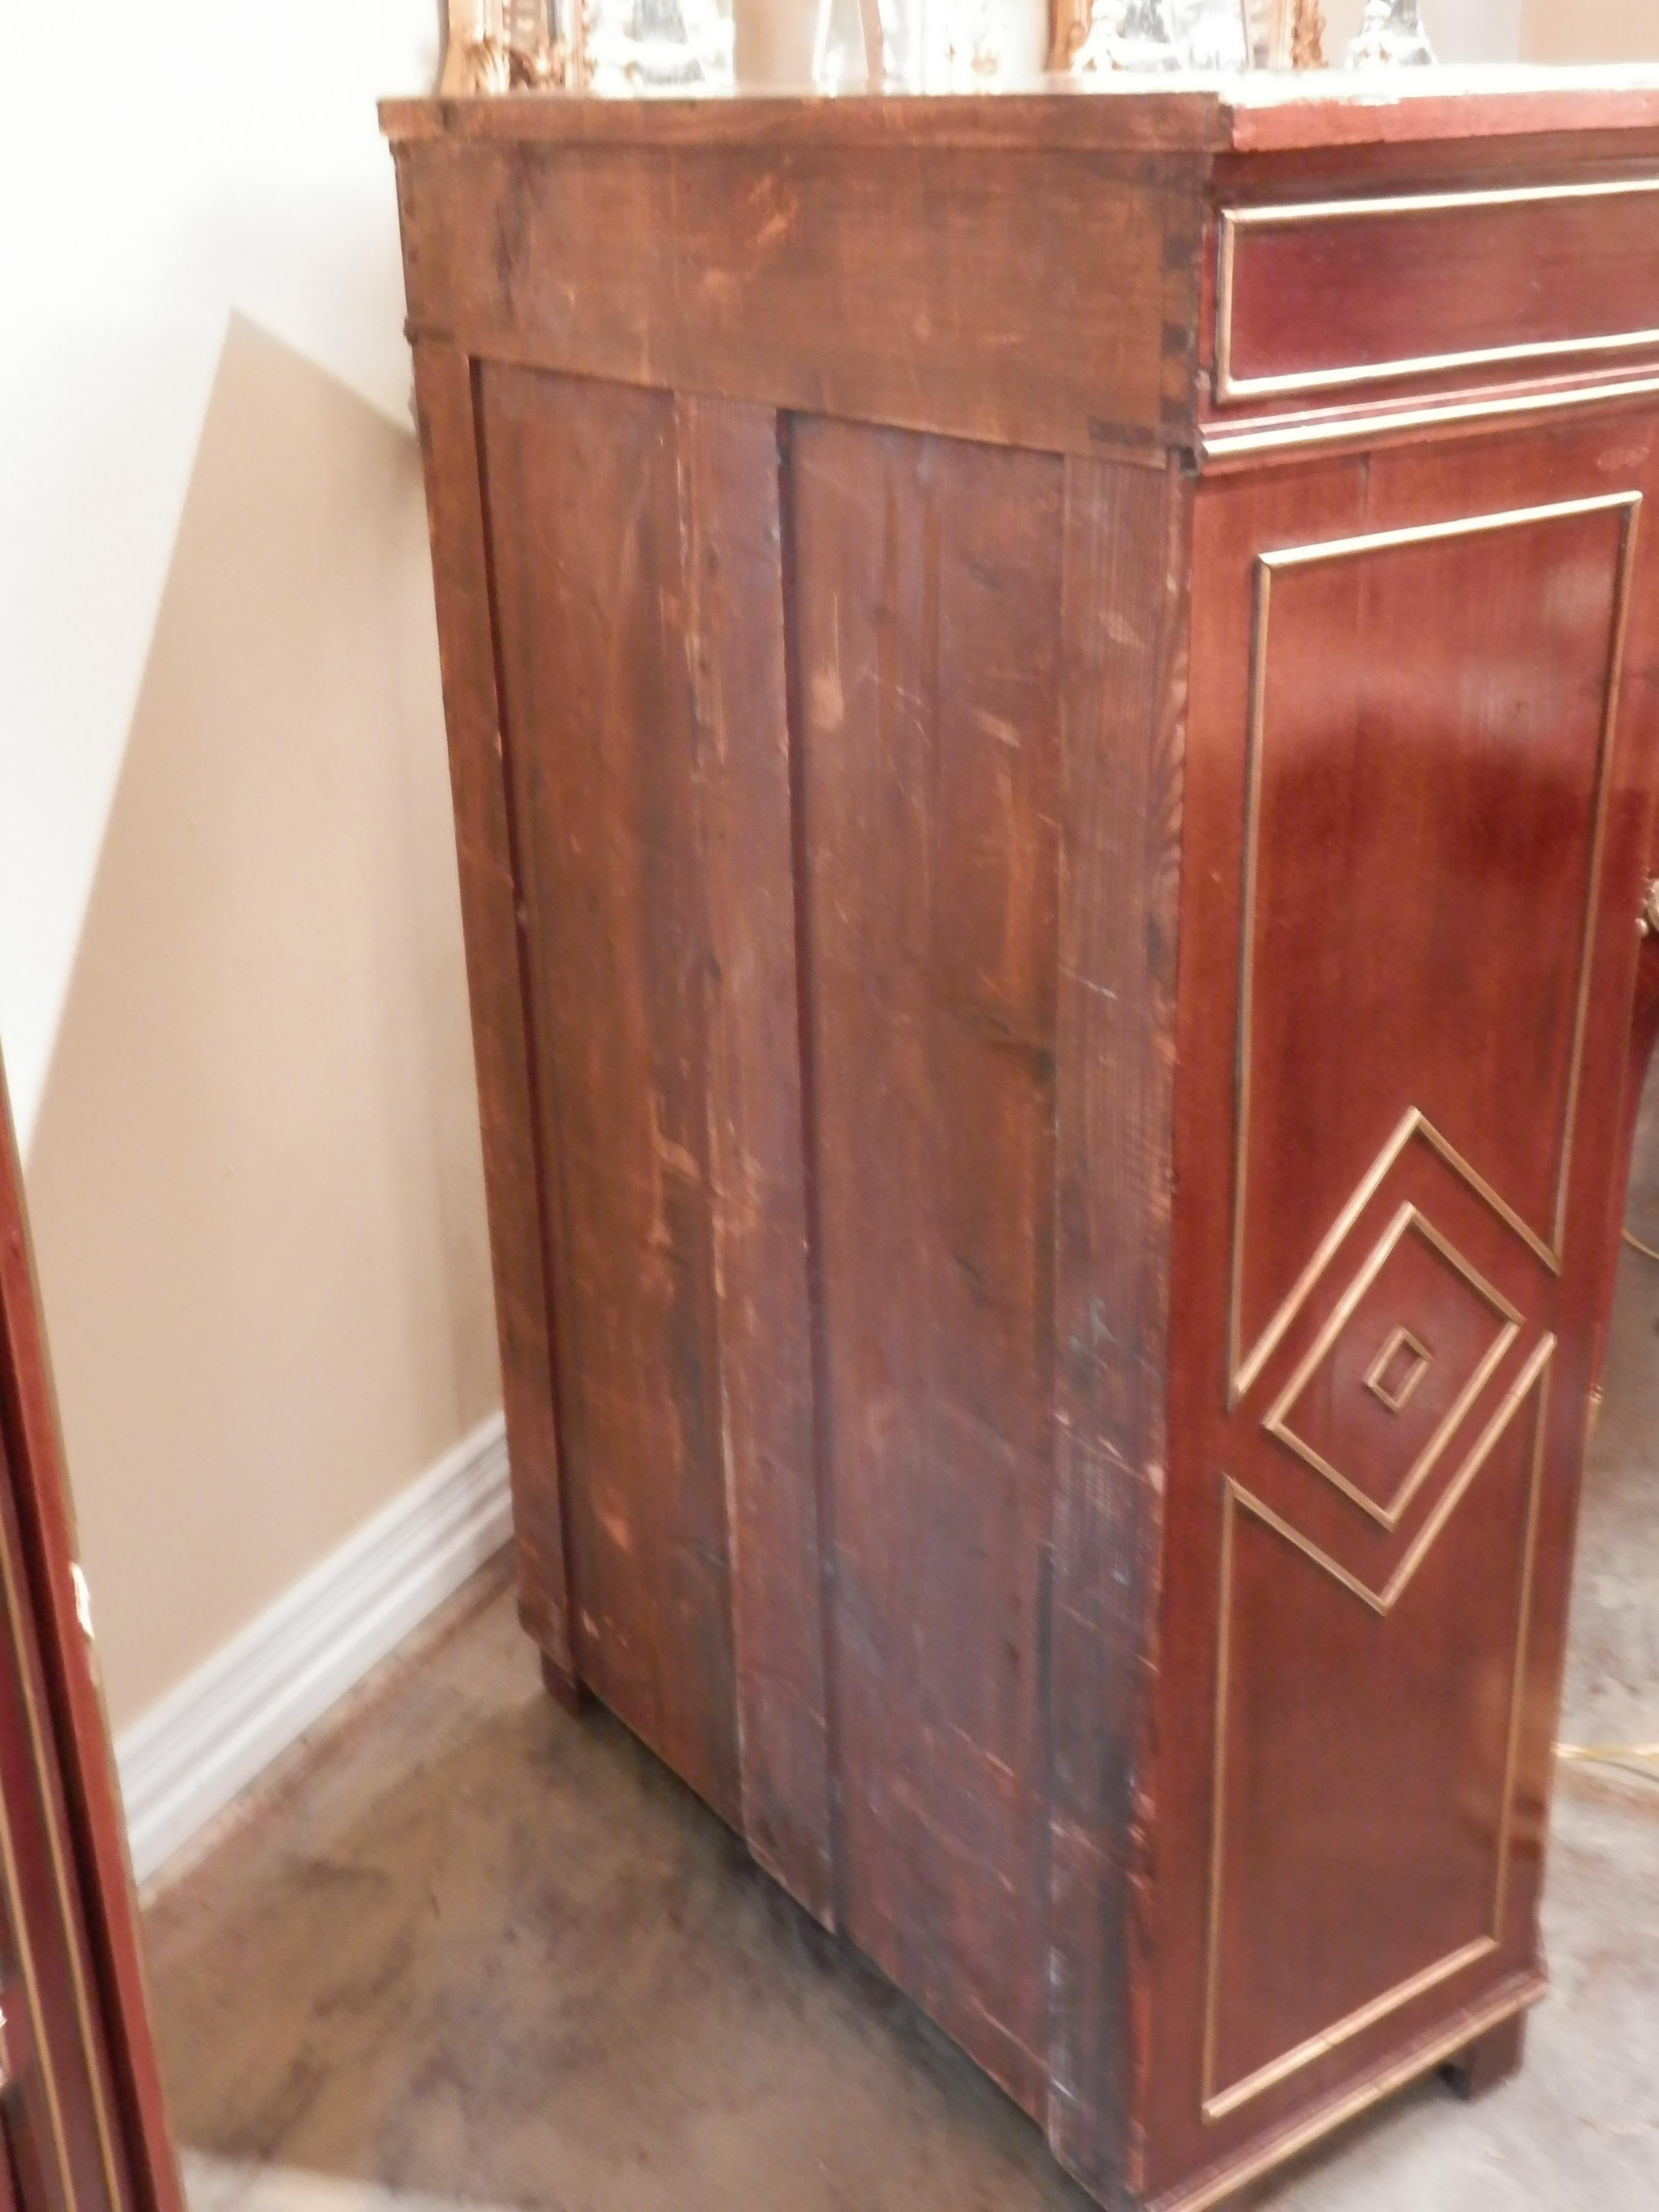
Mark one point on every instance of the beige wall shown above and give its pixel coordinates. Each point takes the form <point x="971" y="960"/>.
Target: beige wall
<point x="231" y="993"/>
<point x="1591" y="30"/>
<point x="254" y="1175"/>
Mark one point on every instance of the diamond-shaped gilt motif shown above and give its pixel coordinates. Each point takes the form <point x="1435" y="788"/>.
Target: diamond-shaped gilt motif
<point x="1397" y="1369"/>
<point x="1383" y="1388"/>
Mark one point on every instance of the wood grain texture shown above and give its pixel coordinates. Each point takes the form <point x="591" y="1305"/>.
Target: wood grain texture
<point x="726" y="270"/>
<point x="1266" y="112"/>
<point x="98" y="2136"/>
<point x="1072" y="116"/>
<point x="1497" y="792"/>
<point x="495" y="985"/>
<point x="583" y="495"/>
<point x="1296" y="1629"/>
<point x="733" y="613"/>
<point x="922" y="1510"/>
<point x="928" y="613"/>
<point x="1124" y="610"/>
<point x="1329" y="302"/>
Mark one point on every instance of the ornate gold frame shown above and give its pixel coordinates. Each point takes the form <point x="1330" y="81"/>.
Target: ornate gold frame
<point x="500" y="45"/>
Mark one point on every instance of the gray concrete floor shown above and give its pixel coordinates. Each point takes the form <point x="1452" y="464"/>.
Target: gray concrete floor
<point x="466" y="1949"/>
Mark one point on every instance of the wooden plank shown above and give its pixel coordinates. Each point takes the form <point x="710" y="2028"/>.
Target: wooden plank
<point x="583" y="501"/>
<point x="733" y="615"/>
<point x="733" y="271"/>
<point x="928" y="580"/>
<point x="1126" y="541"/>
<point x="1073" y="116"/>
<point x="1261" y="113"/>
<point x="495" y="981"/>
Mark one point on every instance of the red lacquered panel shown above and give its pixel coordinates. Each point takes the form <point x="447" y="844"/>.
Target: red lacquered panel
<point x="1322" y="295"/>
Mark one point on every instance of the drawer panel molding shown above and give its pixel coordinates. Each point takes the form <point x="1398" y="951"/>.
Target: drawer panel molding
<point x="1327" y="295"/>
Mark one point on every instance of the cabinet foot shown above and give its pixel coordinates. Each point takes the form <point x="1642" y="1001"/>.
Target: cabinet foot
<point x="1490" y="2059"/>
<point x="566" y="1690"/>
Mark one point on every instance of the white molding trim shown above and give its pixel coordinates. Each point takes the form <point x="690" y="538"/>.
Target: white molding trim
<point x="184" y="1760"/>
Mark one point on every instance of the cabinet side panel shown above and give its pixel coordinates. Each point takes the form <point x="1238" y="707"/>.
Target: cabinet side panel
<point x="582" y="490"/>
<point x="927" y="598"/>
<point x="444" y="398"/>
<point x="1419" y="776"/>
<point x="890" y="283"/>
<point x="1126" y="548"/>
<point x="734" y="616"/>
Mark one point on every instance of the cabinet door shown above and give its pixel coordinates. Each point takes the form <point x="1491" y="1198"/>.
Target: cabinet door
<point x="81" y="2120"/>
<point x="1415" y="802"/>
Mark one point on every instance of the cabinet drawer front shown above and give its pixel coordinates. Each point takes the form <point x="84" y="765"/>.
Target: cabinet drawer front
<point x="1328" y="295"/>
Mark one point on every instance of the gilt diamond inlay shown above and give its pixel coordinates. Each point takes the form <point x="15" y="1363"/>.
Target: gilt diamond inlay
<point x="1397" y="1369"/>
<point x="1408" y="1347"/>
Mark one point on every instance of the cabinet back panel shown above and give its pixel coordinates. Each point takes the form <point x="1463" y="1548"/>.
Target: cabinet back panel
<point x="928" y="633"/>
<point x="582" y="498"/>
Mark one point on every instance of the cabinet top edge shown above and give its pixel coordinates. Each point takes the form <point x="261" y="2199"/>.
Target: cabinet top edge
<point x="1261" y="112"/>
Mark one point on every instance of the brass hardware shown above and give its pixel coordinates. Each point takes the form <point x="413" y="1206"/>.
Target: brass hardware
<point x="1228" y="387"/>
<point x="1647" y="922"/>
<point x="1221" y="444"/>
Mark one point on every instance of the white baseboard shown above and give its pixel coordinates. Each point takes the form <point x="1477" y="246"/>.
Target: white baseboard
<point x="187" y="1757"/>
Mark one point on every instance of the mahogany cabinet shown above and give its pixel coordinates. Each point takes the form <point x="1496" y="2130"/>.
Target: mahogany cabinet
<point x="81" y="2124"/>
<point x="1052" y="711"/>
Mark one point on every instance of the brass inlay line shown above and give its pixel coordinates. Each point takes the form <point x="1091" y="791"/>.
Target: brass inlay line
<point x="1224" y="1677"/>
<point x="42" y="2039"/>
<point x="1277" y="1422"/>
<point x="1411" y="1124"/>
<point x="1609" y="728"/>
<point x="1522" y="1637"/>
<point x="1397" y="1341"/>
<point x="1238" y="1380"/>
<point x="1316" y="2047"/>
<point x="1219" y="443"/>
<point x="1243" y="1370"/>
<point x="92" y="2040"/>
<point x="1430" y="533"/>
<point x="1217" y="2103"/>
<point x="1383" y="1601"/>
<point x="1422" y="2058"/>
<point x="1230" y="387"/>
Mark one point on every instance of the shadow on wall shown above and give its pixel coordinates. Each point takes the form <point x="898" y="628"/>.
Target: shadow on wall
<point x="254" y="1178"/>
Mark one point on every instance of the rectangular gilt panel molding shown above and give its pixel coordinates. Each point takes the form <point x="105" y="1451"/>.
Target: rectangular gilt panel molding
<point x="1250" y="1348"/>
